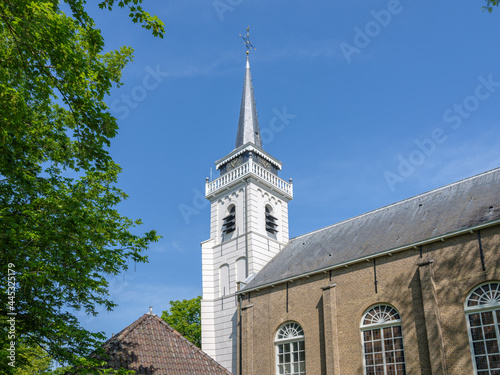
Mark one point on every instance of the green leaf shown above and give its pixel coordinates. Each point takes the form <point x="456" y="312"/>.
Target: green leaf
<point x="185" y="317"/>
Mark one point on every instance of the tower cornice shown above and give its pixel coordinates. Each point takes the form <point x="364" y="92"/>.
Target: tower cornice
<point x="248" y="147"/>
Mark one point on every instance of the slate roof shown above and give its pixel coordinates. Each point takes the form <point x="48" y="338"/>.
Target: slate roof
<point x="464" y="204"/>
<point x="151" y="346"/>
<point x="248" y="125"/>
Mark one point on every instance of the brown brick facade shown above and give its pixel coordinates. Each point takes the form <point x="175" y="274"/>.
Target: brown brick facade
<point x="428" y="286"/>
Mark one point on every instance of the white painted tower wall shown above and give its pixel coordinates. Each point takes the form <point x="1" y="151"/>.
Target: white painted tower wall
<point x="251" y="242"/>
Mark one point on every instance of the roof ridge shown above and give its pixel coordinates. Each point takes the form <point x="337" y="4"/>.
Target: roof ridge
<point x="399" y="202"/>
<point x="190" y="343"/>
<point x="120" y="336"/>
<point x="132" y="326"/>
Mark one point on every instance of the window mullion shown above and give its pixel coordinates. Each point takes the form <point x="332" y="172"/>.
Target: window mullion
<point x="383" y="350"/>
<point x="471" y="341"/>
<point x="497" y="328"/>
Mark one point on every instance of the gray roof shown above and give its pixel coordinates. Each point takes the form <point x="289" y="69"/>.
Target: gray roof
<point x="248" y="126"/>
<point x="465" y="204"/>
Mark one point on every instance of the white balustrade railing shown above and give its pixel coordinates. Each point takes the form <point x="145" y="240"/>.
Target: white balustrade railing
<point x="246" y="169"/>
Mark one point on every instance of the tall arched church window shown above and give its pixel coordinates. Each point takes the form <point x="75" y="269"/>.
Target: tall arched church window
<point x="229" y="221"/>
<point x="383" y="341"/>
<point x="482" y="309"/>
<point x="224" y="279"/>
<point x="271" y="221"/>
<point x="290" y="350"/>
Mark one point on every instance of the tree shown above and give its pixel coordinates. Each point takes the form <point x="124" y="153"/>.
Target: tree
<point x="38" y="362"/>
<point x="490" y="4"/>
<point x="184" y="316"/>
<point x="60" y="233"/>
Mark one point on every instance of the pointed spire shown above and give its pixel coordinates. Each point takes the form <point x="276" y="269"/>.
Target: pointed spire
<point x="248" y="126"/>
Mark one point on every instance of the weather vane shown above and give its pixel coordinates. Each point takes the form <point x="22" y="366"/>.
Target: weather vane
<point x="247" y="41"/>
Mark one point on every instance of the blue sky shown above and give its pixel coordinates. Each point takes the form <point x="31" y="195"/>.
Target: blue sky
<point x="365" y="103"/>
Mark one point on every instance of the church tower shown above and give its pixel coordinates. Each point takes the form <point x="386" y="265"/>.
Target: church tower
<point x="248" y="227"/>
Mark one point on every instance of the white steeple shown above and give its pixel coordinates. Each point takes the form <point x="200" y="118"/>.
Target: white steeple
<point x="248" y="126"/>
<point x="248" y="226"/>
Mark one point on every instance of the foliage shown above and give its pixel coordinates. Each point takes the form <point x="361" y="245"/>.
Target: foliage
<point x="184" y="316"/>
<point x="60" y="234"/>
<point x="490" y="4"/>
<point x="89" y="367"/>
<point x="37" y="361"/>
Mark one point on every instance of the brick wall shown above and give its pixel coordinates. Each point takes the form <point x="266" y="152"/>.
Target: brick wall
<point x="427" y="286"/>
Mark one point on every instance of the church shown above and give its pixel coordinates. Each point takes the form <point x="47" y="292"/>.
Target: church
<point x="410" y="288"/>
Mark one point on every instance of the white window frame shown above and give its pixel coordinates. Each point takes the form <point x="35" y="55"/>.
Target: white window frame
<point x="292" y="338"/>
<point x="492" y="305"/>
<point x="381" y="324"/>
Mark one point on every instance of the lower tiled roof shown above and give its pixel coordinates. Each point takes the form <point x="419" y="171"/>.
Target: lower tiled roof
<point x="151" y="346"/>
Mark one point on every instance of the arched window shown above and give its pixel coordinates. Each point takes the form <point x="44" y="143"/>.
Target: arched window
<point x="383" y="341"/>
<point x="482" y="308"/>
<point x="290" y="350"/>
<point x="224" y="280"/>
<point x="241" y="269"/>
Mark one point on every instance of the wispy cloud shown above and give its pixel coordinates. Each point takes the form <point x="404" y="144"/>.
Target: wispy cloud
<point x="458" y="160"/>
<point x="171" y="246"/>
<point x="190" y="71"/>
<point x="310" y="50"/>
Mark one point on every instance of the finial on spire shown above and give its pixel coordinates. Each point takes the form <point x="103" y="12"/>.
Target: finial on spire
<point x="248" y="125"/>
<point x="247" y="41"/>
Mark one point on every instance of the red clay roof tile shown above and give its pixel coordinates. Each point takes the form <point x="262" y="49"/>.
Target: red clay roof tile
<point x="151" y="346"/>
